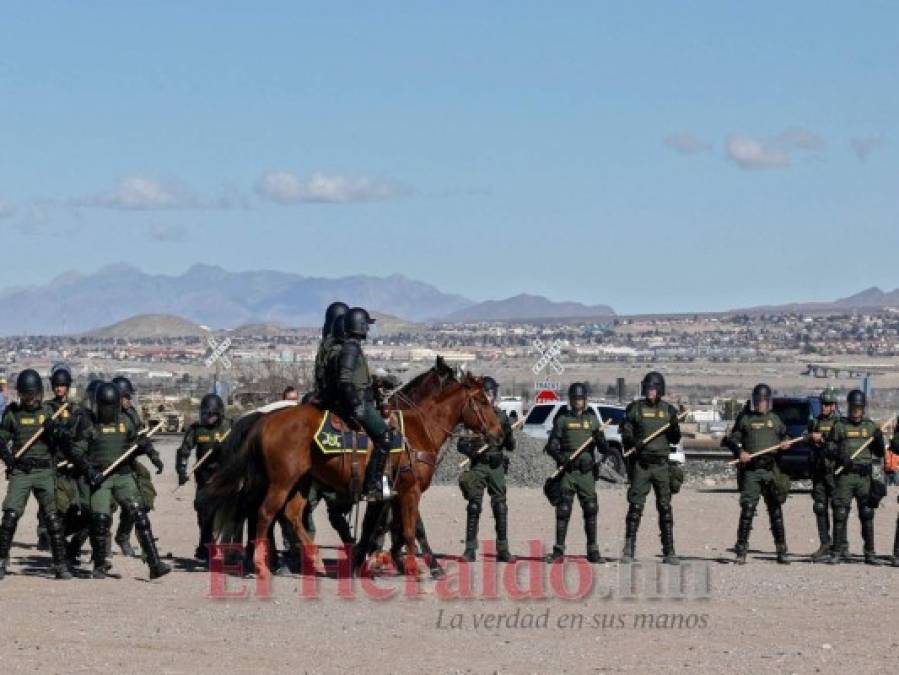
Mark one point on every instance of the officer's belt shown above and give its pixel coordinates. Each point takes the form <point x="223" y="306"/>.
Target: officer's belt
<point x="123" y="468"/>
<point x="29" y="463"/>
<point x="858" y="469"/>
<point x="652" y="459"/>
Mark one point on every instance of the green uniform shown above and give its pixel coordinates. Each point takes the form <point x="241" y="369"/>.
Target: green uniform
<point x="33" y="473"/>
<point x="761" y="477"/>
<point x="321" y="363"/>
<point x="823" y="481"/>
<point x="649" y="468"/>
<point x="894" y="447"/>
<point x="854" y="481"/>
<point x="203" y="439"/>
<point x="487" y="471"/>
<point x="337" y="511"/>
<point x="570" y="431"/>
<point x="68" y="494"/>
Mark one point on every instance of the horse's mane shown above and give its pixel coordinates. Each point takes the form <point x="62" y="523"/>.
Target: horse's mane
<point x="439" y="368"/>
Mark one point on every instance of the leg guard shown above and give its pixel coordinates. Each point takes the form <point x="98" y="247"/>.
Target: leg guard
<point x="631" y="525"/>
<point x="822" y="520"/>
<point x="99" y="535"/>
<point x="563" y="515"/>
<point x="501" y="520"/>
<point x="866" y="516"/>
<point x="744" y="527"/>
<point x="896" y="545"/>
<point x="590" y="507"/>
<point x="775" y="514"/>
<point x="840" y="550"/>
<point x="7" y="530"/>
<point x="666" y="534"/>
<point x="57" y="545"/>
<point x="147" y="543"/>
<point x="374" y="470"/>
<point x="473" y="516"/>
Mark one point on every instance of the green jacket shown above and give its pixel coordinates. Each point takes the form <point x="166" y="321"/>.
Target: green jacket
<point x="353" y="376"/>
<point x="755" y="431"/>
<point x="19" y="425"/>
<point x="203" y="438"/>
<point x="570" y="431"/>
<point x="102" y="444"/>
<point x="642" y="419"/>
<point x="847" y="436"/>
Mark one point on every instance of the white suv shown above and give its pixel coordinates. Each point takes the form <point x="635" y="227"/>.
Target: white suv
<point x="539" y="423"/>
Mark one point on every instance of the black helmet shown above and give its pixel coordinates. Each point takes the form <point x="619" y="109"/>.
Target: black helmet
<point x="356" y="322"/>
<point x="211" y="404"/>
<point x="60" y="377"/>
<point x="760" y="392"/>
<point x="653" y="380"/>
<point x="337" y="330"/>
<point x="108" y="399"/>
<point x="335" y="309"/>
<point x="829" y="396"/>
<point x="857" y="399"/>
<point x="124" y="385"/>
<point x="29" y="382"/>
<point x="577" y="390"/>
<point x="490" y="385"/>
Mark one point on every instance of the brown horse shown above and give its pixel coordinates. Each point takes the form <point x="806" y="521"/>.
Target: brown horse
<point x="279" y="453"/>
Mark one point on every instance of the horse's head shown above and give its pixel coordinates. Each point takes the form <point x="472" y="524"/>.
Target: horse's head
<point x="424" y="385"/>
<point x="478" y="414"/>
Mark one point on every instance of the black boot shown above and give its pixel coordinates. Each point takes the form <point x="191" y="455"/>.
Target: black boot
<point x="867" y="518"/>
<point x="73" y="548"/>
<point x="43" y="540"/>
<point x="500" y="517"/>
<point x="666" y="534"/>
<point x="99" y="536"/>
<point x="148" y="544"/>
<point x="822" y="520"/>
<point x="631" y="526"/>
<point x="57" y="546"/>
<point x="896" y="545"/>
<point x="776" y="516"/>
<point x="563" y="515"/>
<point x="591" y="509"/>
<point x="744" y="527"/>
<point x="840" y="548"/>
<point x="7" y="530"/>
<point x="337" y="518"/>
<point x="472" y="517"/>
<point x="374" y="470"/>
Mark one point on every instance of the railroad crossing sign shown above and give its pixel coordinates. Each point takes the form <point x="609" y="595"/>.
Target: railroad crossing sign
<point x="218" y="354"/>
<point x="549" y="356"/>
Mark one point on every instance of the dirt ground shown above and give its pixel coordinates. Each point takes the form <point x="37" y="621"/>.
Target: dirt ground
<point x="716" y="617"/>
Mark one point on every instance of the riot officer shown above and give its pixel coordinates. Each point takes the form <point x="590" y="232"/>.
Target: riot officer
<point x="488" y="470"/>
<point x="650" y="468"/>
<point x="206" y="435"/>
<point x="144" y="479"/>
<point x="572" y="427"/>
<point x="356" y="399"/>
<point x="32" y="473"/>
<point x="101" y="445"/>
<point x="759" y="429"/>
<point x="823" y="481"/>
<point x="848" y="435"/>
<point x="894" y="447"/>
<point x="67" y="493"/>
<point x="332" y="314"/>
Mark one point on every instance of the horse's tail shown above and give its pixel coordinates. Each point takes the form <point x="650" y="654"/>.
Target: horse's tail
<point x="238" y="486"/>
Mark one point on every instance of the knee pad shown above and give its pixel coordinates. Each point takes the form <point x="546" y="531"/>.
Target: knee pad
<point x="499" y="505"/>
<point x="54" y="523"/>
<point x="666" y="514"/>
<point x="865" y="513"/>
<point x="590" y="507"/>
<point x="563" y="509"/>
<point x="100" y="523"/>
<point x="820" y="508"/>
<point x="747" y="511"/>
<point x="840" y="512"/>
<point x="473" y="508"/>
<point x="10" y="518"/>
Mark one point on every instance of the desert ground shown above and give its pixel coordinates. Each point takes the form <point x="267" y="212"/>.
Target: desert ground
<point x="706" y="616"/>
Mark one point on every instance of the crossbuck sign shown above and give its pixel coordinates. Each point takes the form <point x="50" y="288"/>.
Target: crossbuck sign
<point x="549" y="356"/>
<point x="218" y="352"/>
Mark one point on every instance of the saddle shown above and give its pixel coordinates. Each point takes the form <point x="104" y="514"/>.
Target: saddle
<point x="335" y="435"/>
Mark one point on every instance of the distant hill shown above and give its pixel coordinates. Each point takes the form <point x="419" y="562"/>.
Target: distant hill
<point x="148" y="326"/>
<point x="870" y="298"/>
<point x="212" y="296"/>
<point x="524" y="306"/>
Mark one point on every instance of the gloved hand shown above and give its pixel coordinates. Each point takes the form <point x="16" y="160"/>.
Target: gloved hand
<point x="182" y="477"/>
<point x="145" y="446"/>
<point x="7" y="456"/>
<point x="639" y="447"/>
<point x="844" y="460"/>
<point x="94" y="477"/>
<point x="157" y="462"/>
<point x="51" y="428"/>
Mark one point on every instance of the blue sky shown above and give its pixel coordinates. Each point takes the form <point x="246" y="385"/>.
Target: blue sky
<point x="652" y="156"/>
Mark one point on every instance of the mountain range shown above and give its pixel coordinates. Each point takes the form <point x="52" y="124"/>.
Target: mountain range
<point x="211" y="296"/>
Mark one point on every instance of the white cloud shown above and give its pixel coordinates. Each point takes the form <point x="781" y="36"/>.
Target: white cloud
<point x="284" y="187"/>
<point x="166" y="233"/>
<point x="686" y="143"/>
<point x="863" y="146"/>
<point x="7" y="209"/>
<point x="142" y="193"/>
<point x="749" y="152"/>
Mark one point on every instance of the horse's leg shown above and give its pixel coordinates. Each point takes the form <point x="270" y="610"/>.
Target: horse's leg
<point x="271" y="505"/>
<point x="294" y="509"/>
<point x="408" y="503"/>
<point x="375" y="512"/>
<point x="422" y="537"/>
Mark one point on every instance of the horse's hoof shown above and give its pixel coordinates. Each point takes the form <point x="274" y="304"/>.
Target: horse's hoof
<point x="437" y="572"/>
